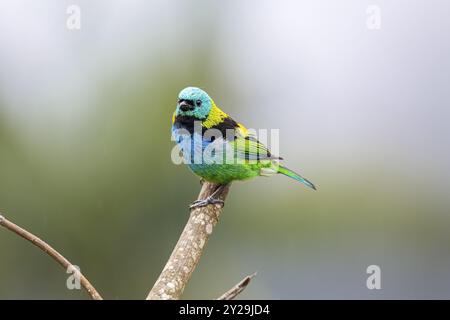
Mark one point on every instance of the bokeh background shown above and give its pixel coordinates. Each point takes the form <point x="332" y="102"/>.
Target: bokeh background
<point x="85" y="145"/>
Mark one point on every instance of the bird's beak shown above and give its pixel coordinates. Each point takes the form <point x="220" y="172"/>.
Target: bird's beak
<point x="185" y="106"/>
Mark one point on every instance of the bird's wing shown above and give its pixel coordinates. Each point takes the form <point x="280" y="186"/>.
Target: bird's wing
<point x="248" y="147"/>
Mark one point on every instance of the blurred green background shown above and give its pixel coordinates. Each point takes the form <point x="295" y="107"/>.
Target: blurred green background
<point x="85" y="145"/>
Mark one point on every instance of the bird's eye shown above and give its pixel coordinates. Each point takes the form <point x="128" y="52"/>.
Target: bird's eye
<point x="198" y="103"/>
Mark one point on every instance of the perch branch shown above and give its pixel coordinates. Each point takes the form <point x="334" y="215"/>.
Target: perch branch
<point x="51" y="252"/>
<point x="189" y="248"/>
<point x="237" y="289"/>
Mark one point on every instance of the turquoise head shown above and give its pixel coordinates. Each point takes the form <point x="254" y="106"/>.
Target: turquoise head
<point x="193" y="102"/>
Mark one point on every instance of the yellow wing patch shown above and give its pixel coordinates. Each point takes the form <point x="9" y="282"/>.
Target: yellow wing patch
<point x="173" y="117"/>
<point x="242" y="130"/>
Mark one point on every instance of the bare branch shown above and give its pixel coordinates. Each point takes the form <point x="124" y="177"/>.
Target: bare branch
<point x="51" y="252"/>
<point x="237" y="289"/>
<point x="189" y="248"/>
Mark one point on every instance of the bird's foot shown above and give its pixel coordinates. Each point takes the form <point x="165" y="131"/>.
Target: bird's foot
<point x="205" y="202"/>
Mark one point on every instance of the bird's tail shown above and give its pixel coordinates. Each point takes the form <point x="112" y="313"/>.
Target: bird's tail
<point x="293" y="175"/>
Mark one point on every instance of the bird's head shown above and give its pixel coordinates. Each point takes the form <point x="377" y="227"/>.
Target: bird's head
<point x="194" y="102"/>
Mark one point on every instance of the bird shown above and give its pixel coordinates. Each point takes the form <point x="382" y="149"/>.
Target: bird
<point x="227" y="154"/>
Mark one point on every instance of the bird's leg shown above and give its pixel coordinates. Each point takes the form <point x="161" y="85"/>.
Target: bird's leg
<point x="212" y="199"/>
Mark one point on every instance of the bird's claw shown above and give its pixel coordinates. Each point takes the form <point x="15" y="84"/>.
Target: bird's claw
<point x="205" y="202"/>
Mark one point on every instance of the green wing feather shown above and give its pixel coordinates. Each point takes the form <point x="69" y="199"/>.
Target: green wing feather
<point x="249" y="148"/>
